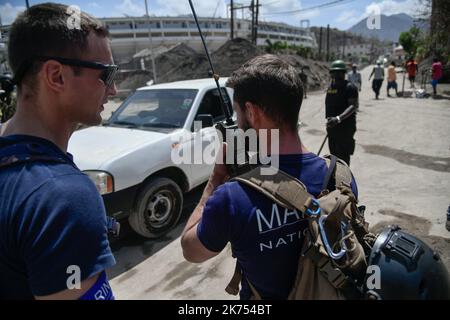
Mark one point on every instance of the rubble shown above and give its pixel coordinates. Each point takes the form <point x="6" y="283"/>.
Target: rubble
<point x="181" y="62"/>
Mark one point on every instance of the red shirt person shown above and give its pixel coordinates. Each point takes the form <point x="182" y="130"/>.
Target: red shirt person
<point x="436" y="74"/>
<point x="411" y="68"/>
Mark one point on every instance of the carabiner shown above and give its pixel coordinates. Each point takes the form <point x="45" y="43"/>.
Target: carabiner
<point x="314" y="210"/>
<point x="341" y="253"/>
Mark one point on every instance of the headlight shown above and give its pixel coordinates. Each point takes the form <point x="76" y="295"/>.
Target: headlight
<point x="102" y="180"/>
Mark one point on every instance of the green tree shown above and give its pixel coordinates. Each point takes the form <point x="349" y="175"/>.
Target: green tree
<point x="270" y="46"/>
<point x="410" y="40"/>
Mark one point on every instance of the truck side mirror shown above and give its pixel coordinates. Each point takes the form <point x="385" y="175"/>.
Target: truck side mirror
<point x="207" y="120"/>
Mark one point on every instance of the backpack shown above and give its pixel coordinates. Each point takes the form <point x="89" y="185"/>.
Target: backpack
<point x="332" y="263"/>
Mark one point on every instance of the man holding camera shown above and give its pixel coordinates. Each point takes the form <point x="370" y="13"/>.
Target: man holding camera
<point x="265" y="237"/>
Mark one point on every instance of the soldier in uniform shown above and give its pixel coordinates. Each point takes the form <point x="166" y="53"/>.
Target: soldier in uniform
<point x="341" y="103"/>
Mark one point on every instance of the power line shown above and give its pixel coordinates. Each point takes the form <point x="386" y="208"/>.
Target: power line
<point x="323" y="5"/>
<point x="217" y="7"/>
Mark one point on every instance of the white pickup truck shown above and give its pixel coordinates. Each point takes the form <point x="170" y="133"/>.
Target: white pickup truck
<point x="129" y="156"/>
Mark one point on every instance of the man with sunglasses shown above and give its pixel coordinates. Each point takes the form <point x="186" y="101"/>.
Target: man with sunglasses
<point x="53" y="230"/>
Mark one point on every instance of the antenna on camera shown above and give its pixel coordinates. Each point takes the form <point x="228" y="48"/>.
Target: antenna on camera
<point x="225" y="109"/>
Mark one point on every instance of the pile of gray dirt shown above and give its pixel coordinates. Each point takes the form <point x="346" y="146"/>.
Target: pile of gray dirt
<point x="133" y="80"/>
<point x="233" y="54"/>
<point x="316" y="71"/>
<point x="183" y="63"/>
<point x="179" y="63"/>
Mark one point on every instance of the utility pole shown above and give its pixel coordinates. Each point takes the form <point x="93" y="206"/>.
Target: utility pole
<point x="28" y="4"/>
<point x="256" y="22"/>
<point x="343" y="46"/>
<point x="320" y="43"/>
<point x="252" y="9"/>
<point x="328" y="43"/>
<point x="152" y="57"/>
<point x="232" y="20"/>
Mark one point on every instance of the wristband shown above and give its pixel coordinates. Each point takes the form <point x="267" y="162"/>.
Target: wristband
<point x="100" y="290"/>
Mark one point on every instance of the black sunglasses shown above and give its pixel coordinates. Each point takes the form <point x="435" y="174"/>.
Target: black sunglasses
<point x="108" y="74"/>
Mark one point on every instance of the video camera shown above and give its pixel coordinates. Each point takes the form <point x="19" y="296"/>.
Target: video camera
<point x="240" y="162"/>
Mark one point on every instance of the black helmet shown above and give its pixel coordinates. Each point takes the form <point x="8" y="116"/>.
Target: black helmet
<point x="409" y="268"/>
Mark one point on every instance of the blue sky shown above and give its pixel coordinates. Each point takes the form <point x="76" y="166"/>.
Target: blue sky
<point x="341" y="16"/>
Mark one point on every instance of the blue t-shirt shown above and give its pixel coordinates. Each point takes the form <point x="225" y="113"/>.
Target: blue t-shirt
<point x="266" y="238"/>
<point x="51" y="219"/>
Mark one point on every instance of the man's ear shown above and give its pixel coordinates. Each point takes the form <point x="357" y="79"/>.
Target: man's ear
<point x="53" y="75"/>
<point x="253" y="113"/>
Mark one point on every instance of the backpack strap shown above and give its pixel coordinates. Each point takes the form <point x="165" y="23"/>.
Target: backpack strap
<point x="335" y="276"/>
<point x="331" y="163"/>
<point x="342" y="173"/>
<point x="281" y="187"/>
<point x="284" y="190"/>
<point x="233" y="286"/>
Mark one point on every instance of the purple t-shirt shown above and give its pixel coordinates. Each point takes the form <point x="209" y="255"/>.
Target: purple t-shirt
<point x="265" y="237"/>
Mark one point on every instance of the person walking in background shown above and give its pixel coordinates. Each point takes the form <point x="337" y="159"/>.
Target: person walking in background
<point x="355" y="77"/>
<point x="412" y="68"/>
<point x="436" y="74"/>
<point x="392" y="79"/>
<point x="378" y="77"/>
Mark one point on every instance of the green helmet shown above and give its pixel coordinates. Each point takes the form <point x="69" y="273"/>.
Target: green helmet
<point x="338" y="65"/>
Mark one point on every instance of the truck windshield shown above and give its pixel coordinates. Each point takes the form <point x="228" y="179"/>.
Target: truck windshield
<point x="159" y="108"/>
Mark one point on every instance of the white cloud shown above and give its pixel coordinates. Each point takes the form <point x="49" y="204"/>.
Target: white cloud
<point x="270" y="8"/>
<point x="181" y="7"/>
<point x="348" y="18"/>
<point x="308" y="14"/>
<point x="9" y="12"/>
<point x="129" y="8"/>
<point x="347" y="15"/>
<point x="93" y="5"/>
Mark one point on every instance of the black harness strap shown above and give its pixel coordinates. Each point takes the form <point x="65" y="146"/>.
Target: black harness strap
<point x="330" y="172"/>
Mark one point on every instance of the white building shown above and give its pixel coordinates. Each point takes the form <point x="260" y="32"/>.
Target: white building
<point x="399" y="53"/>
<point x="361" y="49"/>
<point x="131" y="35"/>
<point x="354" y="50"/>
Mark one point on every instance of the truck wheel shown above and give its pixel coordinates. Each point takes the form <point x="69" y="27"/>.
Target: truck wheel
<point x="157" y="208"/>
